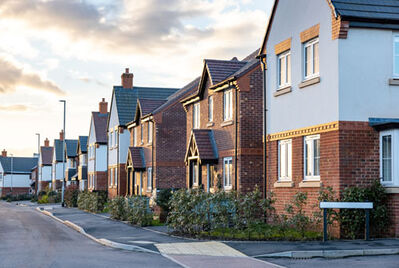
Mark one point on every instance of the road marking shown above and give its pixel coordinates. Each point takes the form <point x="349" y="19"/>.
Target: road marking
<point x="199" y="248"/>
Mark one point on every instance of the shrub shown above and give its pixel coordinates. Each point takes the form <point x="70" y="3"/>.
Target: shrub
<point x="43" y="199"/>
<point x="71" y="196"/>
<point x="352" y="221"/>
<point x="92" y="201"/>
<point x="139" y="211"/>
<point x="117" y="208"/>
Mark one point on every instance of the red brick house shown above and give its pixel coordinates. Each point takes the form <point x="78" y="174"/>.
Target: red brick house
<point x="157" y="146"/>
<point x="224" y="140"/>
<point x="332" y="103"/>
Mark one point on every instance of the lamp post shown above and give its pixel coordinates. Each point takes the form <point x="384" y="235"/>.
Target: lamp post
<point x="12" y="169"/>
<point x="38" y="168"/>
<point x="63" y="158"/>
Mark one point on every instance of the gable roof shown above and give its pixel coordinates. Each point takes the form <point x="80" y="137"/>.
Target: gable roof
<point x="18" y="165"/>
<point x="82" y="144"/>
<point x="136" y="157"/>
<point x="58" y="150"/>
<point x="100" y="126"/>
<point x="46" y="153"/>
<point x="360" y="13"/>
<point x="71" y="148"/>
<point x="204" y="143"/>
<point x="126" y="100"/>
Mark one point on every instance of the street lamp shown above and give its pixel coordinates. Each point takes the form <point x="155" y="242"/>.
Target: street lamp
<point x="63" y="158"/>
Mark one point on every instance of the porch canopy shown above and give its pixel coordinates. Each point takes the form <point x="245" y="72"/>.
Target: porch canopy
<point x="135" y="158"/>
<point x="201" y="147"/>
<point x="384" y="123"/>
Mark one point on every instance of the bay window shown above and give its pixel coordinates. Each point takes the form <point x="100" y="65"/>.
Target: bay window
<point x="389" y="149"/>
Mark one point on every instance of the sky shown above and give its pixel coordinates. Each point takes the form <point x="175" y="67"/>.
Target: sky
<point x="76" y="50"/>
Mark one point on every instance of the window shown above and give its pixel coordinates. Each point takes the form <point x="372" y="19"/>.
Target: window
<point x="194" y="175"/>
<point x="228" y="105"/>
<point x="396" y="56"/>
<point x="142" y="136"/>
<point x="135" y="142"/>
<point x="111" y="177"/>
<point x="111" y="140"/>
<point x="227" y="172"/>
<point x="388" y="153"/>
<point x="196" y="116"/>
<point x="211" y="176"/>
<point x="284" y="69"/>
<point x="116" y="138"/>
<point x="311" y="56"/>
<point x="210" y="108"/>
<point x="116" y="177"/>
<point x="149" y="178"/>
<point x="150" y="126"/>
<point x="312" y="157"/>
<point x="285" y="160"/>
<point x="82" y="160"/>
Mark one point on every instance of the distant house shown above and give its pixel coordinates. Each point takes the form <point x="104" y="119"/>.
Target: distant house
<point x="45" y="166"/>
<point x="123" y="107"/>
<point x="58" y="168"/>
<point x="157" y="146"/>
<point x="82" y="163"/>
<point x="332" y="99"/>
<point x="97" y="149"/>
<point x="224" y="133"/>
<point x="34" y="176"/>
<point x="71" y="156"/>
<point x="15" y="174"/>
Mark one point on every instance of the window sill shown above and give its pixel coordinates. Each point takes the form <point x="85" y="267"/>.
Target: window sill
<point x="282" y="91"/>
<point x="283" y="184"/>
<point x="392" y="189"/>
<point x="309" y="82"/>
<point x="393" y="81"/>
<point x="310" y="184"/>
<point x="227" y="123"/>
<point x="210" y="124"/>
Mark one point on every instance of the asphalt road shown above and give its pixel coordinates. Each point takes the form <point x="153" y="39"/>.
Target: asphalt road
<point x="31" y="239"/>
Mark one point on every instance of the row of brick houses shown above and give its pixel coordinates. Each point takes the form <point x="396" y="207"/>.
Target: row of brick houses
<point x="316" y="106"/>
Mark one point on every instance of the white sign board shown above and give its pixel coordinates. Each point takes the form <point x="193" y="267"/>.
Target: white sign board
<point x="349" y="205"/>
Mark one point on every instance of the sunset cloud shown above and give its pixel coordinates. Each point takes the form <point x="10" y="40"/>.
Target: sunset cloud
<point x="14" y="108"/>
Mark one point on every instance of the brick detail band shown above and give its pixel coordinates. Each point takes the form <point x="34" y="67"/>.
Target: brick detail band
<point x="282" y="46"/>
<point x="304" y="131"/>
<point x="310" y="33"/>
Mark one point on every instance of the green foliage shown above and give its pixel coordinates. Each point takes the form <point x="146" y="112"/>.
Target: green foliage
<point x="139" y="211"/>
<point x="117" y="208"/>
<point x="71" y="196"/>
<point x="163" y="199"/>
<point x="353" y="221"/>
<point x="19" y="197"/>
<point x="92" y="201"/>
<point x="43" y="199"/>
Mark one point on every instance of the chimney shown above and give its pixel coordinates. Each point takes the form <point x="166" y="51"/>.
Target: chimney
<point x="46" y="143"/>
<point x="103" y="107"/>
<point x="62" y="135"/>
<point x="4" y="153"/>
<point x="127" y="79"/>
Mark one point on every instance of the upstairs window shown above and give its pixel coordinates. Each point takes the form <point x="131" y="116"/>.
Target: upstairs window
<point x="150" y="130"/>
<point x="135" y="136"/>
<point x="312" y="157"/>
<point x="228" y="105"/>
<point x="196" y="116"/>
<point x="285" y="160"/>
<point x="311" y="58"/>
<point x="396" y="56"/>
<point x="116" y="138"/>
<point x="142" y="135"/>
<point x="210" y="108"/>
<point x="116" y="177"/>
<point x="284" y="69"/>
<point x="110" y="139"/>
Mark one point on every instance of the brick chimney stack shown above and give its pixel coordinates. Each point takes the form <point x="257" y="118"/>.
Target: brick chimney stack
<point x="46" y="143"/>
<point x="103" y="107"/>
<point x="4" y="153"/>
<point x="62" y="135"/>
<point x="127" y="79"/>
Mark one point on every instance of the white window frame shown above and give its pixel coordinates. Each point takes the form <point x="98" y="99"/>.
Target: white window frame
<point x="395" y="41"/>
<point x="311" y="43"/>
<point x="286" y="147"/>
<point x="228" y="105"/>
<point x="141" y="134"/>
<point x="394" y="133"/>
<point x="149" y="178"/>
<point x="135" y="142"/>
<point x="196" y="115"/>
<point x="116" y="138"/>
<point x="111" y="177"/>
<point x="210" y="109"/>
<point x="311" y="139"/>
<point x="228" y="174"/>
<point x="150" y="130"/>
<point x="116" y="177"/>
<point x="285" y="55"/>
<point x="111" y="139"/>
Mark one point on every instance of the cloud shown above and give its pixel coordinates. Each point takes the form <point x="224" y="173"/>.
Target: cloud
<point x="12" y="76"/>
<point x="14" y="108"/>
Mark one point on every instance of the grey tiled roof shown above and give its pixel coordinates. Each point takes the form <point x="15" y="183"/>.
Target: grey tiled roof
<point x="149" y="105"/>
<point x="100" y="125"/>
<point x="82" y="143"/>
<point x="47" y="155"/>
<point x="221" y="69"/>
<point x="137" y="156"/>
<point x="71" y="148"/>
<point x="377" y="10"/>
<point x="19" y="165"/>
<point x="58" y="150"/>
<point x="126" y="99"/>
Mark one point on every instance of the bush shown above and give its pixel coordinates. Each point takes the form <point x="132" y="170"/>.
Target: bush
<point x="163" y="201"/>
<point x="139" y="211"/>
<point x="43" y="199"/>
<point x="352" y="221"/>
<point x="92" y="201"/>
<point x="117" y="208"/>
<point x="71" y="196"/>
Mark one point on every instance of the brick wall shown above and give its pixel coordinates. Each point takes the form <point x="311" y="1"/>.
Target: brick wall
<point x="15" y="191"/>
